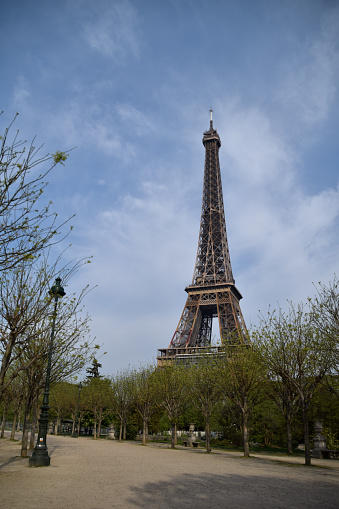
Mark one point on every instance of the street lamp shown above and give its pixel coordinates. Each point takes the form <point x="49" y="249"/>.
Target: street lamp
<point x="75" y="433"/>
<point x="40" y="456"/>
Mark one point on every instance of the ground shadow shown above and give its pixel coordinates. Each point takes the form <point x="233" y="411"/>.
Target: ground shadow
<point x="239" y="491"/>
<point x="51" y="450"/>
<point x="11" y="460"/>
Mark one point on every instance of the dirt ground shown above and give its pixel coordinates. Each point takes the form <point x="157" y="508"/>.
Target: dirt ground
<point x="105" y="474"/>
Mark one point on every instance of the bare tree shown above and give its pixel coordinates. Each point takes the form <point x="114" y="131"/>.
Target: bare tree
<point x="27" y="223"/>
<point x="25" y="314"/>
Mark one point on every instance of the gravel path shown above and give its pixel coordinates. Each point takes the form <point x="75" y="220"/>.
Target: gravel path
<point x="105" y="474"/>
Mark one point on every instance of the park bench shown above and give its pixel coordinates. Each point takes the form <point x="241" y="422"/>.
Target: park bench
<point x="329" y="454"/>
<point x="195" y="444"/>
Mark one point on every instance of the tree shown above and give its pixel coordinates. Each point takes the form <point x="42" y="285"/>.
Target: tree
<point x="242" y="378"/>
<point x="71" y="348"/>
<point x="98" y="399"/>
<point x="27" y="224"/>
<point x="144" y="395"/>
<point x="63" y="400"/>
<point x="297" y="353"/>
<point x="325" y="315"/>
<point x="25" y="316"/>
<point x="93" y="372"/>
<point x="23" y="305"/>
<point x="171" y="386"/>
<point x="122" y="398"/>
<point x="206" y="389"/>
<point x="325" y="309"/>
<point x="17" y="393"/>
<point x="286" y="397"/>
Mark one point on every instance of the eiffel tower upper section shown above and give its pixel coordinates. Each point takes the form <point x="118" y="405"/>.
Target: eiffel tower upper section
<point x="213" y="264"/>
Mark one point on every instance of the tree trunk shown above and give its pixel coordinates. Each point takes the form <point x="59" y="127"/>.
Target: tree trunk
<point x="18" y="428"/>
<point x="24" y="440"/>
<point x="3" y="423"/>
<point x="174" y="431"/>
<point x="120" y="431"/>
<point x="144" y="430"/>
<point x="95" y="428"/>
<point x="6" y="356"/>
<point x="306" y="433"/>
<point x="175" y="434"/>
<point x="208" y="433"/>
<point x="99" y="423"/>
<point x="289" y="436"/>
<point x="14" y="425"/>
<point x="245" y="434"/>
<point x="57" y="425"/>
<point x="34" y="423"/>
<point x="124" y="430"/>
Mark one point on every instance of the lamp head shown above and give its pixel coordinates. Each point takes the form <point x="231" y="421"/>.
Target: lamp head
<point x="57" y="290"/>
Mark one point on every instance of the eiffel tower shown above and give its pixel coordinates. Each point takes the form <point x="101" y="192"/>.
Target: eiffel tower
<point x="212" y="292"/>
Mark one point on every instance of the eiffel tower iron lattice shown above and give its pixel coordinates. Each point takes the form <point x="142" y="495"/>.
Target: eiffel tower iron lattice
<point x="212" y="292"/>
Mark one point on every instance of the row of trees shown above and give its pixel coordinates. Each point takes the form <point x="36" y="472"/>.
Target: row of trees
<point x="269" y="390"/>
<point x="30" y="235"/>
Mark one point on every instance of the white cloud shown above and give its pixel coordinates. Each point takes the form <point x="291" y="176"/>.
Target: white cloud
<point x="21" y="93"/>
<point x="113" y="29"/>
<point x="256" y="152"/>
<point x="94" y="126"/>
<point x="310" y="76"/>
<point x="136" y="121"/>
<point x="144" y="250"/>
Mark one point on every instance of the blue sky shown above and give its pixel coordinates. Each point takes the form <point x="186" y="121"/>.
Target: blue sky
<point x="130" y="84"/>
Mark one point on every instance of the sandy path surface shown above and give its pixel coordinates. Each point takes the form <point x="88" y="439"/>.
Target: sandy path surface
<point x="102" y="474"/>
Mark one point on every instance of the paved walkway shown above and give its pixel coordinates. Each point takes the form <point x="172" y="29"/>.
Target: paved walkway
<point x="103" y="474"/>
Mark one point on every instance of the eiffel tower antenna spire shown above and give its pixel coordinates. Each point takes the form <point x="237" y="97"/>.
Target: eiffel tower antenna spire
<point x="212" y="293"/>
<point x="211" y="118"/>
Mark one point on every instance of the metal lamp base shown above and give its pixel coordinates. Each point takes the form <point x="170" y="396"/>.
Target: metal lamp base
<point x="39" y="459"/>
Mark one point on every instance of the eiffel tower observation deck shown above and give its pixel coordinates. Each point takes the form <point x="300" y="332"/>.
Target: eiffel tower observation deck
<point x="212" y="293"/>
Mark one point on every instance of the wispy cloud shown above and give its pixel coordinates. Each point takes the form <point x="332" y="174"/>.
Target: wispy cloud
<point x="134" y="120"/>
<point x="21" y="93"/>
<point x="310" y="79"/>
<point x="113" y="29"/>
<point x="95" y="126"/>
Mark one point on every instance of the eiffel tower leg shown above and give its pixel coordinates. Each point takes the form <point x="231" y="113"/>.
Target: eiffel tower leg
<point x="189" y="324"/>
<point x="231" y="323"/>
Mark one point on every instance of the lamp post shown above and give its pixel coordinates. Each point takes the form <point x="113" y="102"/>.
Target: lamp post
<point x="75" y="433"/>
<point x="40" y="456"/>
